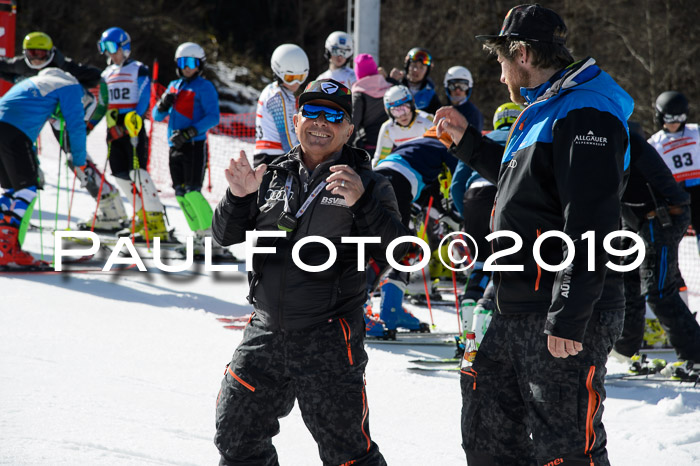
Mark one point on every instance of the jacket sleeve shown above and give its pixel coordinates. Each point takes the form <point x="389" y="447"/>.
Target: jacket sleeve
<point x="233" y="217"/>
<point x="70" y="101"/>
<point x="358" y="113"/>
<point x="88" y="76"/>
<point x="155" y="113"/>
<point x="589" y="171"/>
<point x="482" y="154"/>
<point x="377" y="214"/>
<point x="210" y="104"/>
<point x="144" y="87"/>
<point x="384" y="144"/>
<point x="459" y="185"/>
<point x="12" y="69"/>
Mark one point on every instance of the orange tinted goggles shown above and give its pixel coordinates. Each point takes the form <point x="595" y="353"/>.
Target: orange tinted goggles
<point x="290" y="78"/>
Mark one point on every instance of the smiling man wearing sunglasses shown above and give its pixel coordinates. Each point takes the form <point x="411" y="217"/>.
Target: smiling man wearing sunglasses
<point x="305" y="339"/>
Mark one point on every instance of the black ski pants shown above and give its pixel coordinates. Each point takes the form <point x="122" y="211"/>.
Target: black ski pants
<point x="322" y="367"/>
<point x="522" y="406"/>
<point x="18" y="166"/>
<point x="187" y="166"/>
<point x="659" y="279"/>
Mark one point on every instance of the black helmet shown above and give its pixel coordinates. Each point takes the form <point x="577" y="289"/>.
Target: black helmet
<point x="671" y="107"/>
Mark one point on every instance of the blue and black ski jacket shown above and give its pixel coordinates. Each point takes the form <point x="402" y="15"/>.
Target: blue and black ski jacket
<point x="563" y="169"/>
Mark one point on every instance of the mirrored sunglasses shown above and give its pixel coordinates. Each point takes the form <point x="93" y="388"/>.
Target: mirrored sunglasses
<point x="292" y="78"/>
<point x="462" y="85"/>
<point x="675" y="118"/>
<point x="421" y="57"/>
<point x="36" y="54"/>
<point x="399" y="111"/>
<point x="332" y="115"/>
<point x="107" y="46"/>
<point x="188" y="62"/>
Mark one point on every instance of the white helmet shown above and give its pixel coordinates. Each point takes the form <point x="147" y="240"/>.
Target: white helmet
<point x="458" y="73"/>
<point x="339" y="43"/>
<point x="190" y="49"/>
<point x="395" y="96"/>
<point x="290" y="63"/>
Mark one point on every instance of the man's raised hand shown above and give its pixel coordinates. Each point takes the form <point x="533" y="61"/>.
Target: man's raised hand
<point x="241" y="178"/>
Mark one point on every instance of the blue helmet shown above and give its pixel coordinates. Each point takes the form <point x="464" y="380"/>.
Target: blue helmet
<point x="113" y="39"/>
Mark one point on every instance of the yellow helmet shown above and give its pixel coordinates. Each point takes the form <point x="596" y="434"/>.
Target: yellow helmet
<point x="38" y="46"/>
<point x="506" y="114"/>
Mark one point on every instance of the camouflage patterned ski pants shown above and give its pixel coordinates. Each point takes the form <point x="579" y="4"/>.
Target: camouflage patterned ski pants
<point x="322" y="367"/>
<point x="522" y="406"/>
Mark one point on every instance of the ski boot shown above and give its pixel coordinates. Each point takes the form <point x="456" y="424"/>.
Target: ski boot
<point x="654" y="335"/>
<point x="684" y="371"/>
<point x="374" y="327"/>
<point x="11" y="252"/>
<point x="640" y="365"/>
<point x="394" y="315"/>
<point x="156" y="228"/>
<point x="111" y="215"/>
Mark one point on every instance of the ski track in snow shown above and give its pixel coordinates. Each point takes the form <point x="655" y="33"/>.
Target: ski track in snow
<point x="124" y="368"/>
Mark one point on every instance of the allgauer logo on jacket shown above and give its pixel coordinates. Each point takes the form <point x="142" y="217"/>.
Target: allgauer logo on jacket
<point x="591" y="139"/>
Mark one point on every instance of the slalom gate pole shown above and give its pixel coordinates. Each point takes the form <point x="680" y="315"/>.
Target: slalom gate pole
<point x="41" y="226"/>
<point x="134" y="123"/>
<point x="420" y="258"/>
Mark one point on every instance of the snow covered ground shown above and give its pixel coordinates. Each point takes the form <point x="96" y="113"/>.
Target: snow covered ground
<point x="124" y="368"/>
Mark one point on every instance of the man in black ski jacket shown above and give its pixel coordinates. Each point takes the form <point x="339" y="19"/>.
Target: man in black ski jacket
<point x="657" y="208"/>
<point x="534" y="394"/>
<point x="305" y="340"/>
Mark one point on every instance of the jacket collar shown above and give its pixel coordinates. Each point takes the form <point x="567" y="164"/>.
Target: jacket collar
<point x="566" y="78"/>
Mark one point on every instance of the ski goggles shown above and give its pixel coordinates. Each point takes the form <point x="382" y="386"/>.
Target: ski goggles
<point x="36" y="54"/>
<point x="396" y="103"/>
<point x="461" y="85"/>
<point x="107" y="46"/>
<point x="675" y="118"/>
<point x="340" y="51"/>
<point x="421" y="57"/>
<point x="400" y="110"/>
<point x="332" y="115"/>
<point x="292" y="78"/>
<point x="188" y="62"/>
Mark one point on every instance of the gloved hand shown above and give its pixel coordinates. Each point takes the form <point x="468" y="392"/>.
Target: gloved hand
<point x="114" y="129"/>
<point x="181" y="136"/>
<point x="166" y="101"/>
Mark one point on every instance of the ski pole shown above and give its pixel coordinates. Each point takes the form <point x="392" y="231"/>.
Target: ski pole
<point x="70" y="204"/>
<point x="420" y="258"/>
<point x="58" y="176"/>
<point x="134" y="123"/>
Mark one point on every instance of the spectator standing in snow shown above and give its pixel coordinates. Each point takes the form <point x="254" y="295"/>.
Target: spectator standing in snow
<point x="535" y="390"/>
<point x="305" y="339"/>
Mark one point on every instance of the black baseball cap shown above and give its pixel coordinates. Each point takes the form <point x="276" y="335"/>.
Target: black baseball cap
<point x="328" y="89"/>
<point x="531" y="23"/>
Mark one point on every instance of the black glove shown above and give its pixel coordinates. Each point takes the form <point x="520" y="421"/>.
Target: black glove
<point x="181" y="136"/>
<point x="166" y="101"/>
